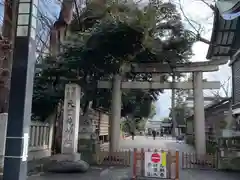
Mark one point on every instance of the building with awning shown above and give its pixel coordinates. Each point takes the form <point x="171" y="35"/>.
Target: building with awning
<point x="225" y="44"/>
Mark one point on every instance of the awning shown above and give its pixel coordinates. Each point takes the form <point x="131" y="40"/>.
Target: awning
<point x="223" y="37"/>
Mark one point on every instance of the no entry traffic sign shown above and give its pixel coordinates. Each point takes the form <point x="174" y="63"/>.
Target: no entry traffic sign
<point x="155" y="164"/>
<point x="155" y="158"/>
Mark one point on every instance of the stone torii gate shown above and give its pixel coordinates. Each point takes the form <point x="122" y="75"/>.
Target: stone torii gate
<point x="58" y="33"/>
<point x="197" y="68"/>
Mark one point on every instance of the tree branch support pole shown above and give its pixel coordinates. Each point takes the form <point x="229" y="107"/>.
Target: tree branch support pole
<point x="199" y="116"/>
<point x="20" y="97"/>
<point x="115" y="117"/>
<point x="173" y="106"/>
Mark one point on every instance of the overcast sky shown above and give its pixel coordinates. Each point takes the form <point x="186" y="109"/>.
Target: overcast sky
<point x="202" y="14"/>
<point x="199" y="12"/>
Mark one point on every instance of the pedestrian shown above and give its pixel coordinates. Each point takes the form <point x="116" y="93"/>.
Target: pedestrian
<point x="133" y="134"/>
<point x="154" y="134"/>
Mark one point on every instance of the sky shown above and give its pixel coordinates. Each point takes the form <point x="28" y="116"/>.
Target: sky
<point x="205" y="18"/>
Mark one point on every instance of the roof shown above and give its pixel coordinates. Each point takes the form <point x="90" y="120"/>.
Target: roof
<point x="217" y="104"/>
<point x="214" y="106"/>
<point x="223" y="37"/>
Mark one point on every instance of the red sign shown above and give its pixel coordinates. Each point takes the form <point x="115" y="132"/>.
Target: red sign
<point x="155" y="158"/>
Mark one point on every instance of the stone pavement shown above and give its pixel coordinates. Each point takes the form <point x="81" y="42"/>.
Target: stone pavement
<point x="207" y="175"/>
<point x="171" y="144"/>
<point x="95" y="173"/>
<point x="114" y="173"/>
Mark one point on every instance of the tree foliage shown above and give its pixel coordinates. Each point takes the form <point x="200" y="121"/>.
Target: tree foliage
<point x="133" y="124"/>
<point x="180" y="107"/>
<point x="152" y="112"/>
<point x="103" y="41"/>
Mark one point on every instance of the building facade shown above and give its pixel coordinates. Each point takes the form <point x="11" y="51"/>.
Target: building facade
<point x="158" y="126"/>
<point x="228" y="48"/>
<point x="225" y="46"/>
<point x="190" y="103"/>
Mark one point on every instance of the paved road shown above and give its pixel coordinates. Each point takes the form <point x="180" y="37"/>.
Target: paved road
<point x="111" y="173"/>
<point x="164" y="143"/>
<point x="167" y="143"/>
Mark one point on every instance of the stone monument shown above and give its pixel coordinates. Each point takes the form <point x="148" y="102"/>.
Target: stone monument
<point x="87" y="145"/>
<point x="69" y="159"/>
<point x="71" y="121"/>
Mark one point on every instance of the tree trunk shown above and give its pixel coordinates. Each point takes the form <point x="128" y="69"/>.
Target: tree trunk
<point x="9" y="21"/>
<point x="57" y="132"/>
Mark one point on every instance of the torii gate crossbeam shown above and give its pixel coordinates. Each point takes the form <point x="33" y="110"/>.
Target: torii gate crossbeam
<point x="158" y="85"/>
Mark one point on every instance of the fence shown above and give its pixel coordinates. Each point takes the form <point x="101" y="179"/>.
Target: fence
<point x="141" y="162"/>
<point x="39" y="143"/>
<point x="195" y="161"/>
<point x="167" y="169"/>
<point x="119" y="158"/>
<point x="40" y="140"/>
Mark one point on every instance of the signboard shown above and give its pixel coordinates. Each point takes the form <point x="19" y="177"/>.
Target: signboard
<point x="155" y="158"/>
<point x="155" y="165"/>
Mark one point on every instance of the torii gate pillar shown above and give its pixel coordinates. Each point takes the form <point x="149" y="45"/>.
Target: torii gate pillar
<point x="199" y="116"/>
<point x="115" y="114"/>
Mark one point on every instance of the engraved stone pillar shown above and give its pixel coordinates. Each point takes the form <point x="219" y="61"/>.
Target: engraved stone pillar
<point x="115" y="114"/>
<point x="199" y="116"/>
<point x="71" y="119"/>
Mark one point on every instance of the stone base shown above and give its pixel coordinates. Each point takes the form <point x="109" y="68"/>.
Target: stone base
<point x="66" y="163"/>
<point x="66" y="157"/>
<point x="67" y="167"/>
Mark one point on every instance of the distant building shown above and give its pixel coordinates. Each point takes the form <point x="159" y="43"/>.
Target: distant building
<point x="153" y="125"/>
<point x="190" y="103"/>
<point x="158" y="126"/>
<point x="217" y="117"/>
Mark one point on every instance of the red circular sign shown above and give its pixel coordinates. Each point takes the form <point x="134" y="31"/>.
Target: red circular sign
<point x="155" y="158"/>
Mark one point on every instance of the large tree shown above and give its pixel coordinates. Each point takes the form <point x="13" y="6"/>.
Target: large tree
<point x="103" y="41"/>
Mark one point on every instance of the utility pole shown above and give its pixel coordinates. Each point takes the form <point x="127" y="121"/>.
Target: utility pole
<point x="20" y="97"/>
